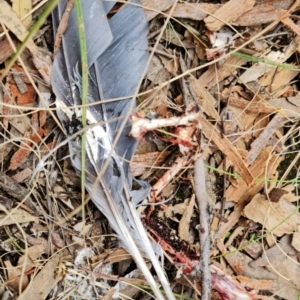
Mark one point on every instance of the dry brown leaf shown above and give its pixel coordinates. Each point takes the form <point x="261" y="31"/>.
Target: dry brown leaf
<point x="22" y="98"/>
<point x="61" y="194"/>
<point x="286" y="4"/>
<point x="141" y="163"/>
<point x="82" y="228"/>
<point x="109" y="294"/>
<point x="232" y="122"/>
<point x="206" y="100"/>
<point x="80" y="241"/>
<point x="171" y="36"/>
<point x="14" y="277"/>
<point x="5" y="50"/>
<point x="227" y="148"/>
<point x="228" y="13"/>
<point x="277" y="79"/>
<point x="281" y="217"/>
<point x="240" y="263"/>
<point x="14" y="272"/>
<point x="43" y="64"/>
<point x="22" y="123"/>
<point x="6" y="202"/>
<point x="289" y="105"/>
<point x="154" y="7"/>
<point x="279" y="249"/>
<point x="280" y="259"/>
<point x="22" y="175"/>
<point x="214" y="75"/>
<point x="22" y="8"/>
<point x="130" y="290"/>
<point x="57" y="240"/>
<point x="13" y="23"/>
<point x="239" y="192"/>
<point x="258" y="15"/>
<point x="22" y="153"/>
<point x="41" y="284"/>
<point x="32" y="254"/>
<point x="264" y="137"/>
<point x="296" y="239"/>
<point x="254" y="106"/>
<point x="256" y="284"/>
<point x="157" y="101"/>
<point x="254" y="249"/>
<point x="184" y="224"/>
<point x="15" y="190"/>
<point x="12" y="95"/>
<point x="157" y="72"/>
<point x="276" y="194"/>
<point x="16" y="216"/>
<point x="294" y="27"/>
<point x="171" y="211"/>
<point x="255" y="124"/>
<point x="116" y="256"/>
<point x="193" y="11"/>
<point x="290" y="194"/>
<point x="171" y="64"/>
<point x="37" y="229"/>
<point x="226" y="227"/>
<point x="260" y="68"/>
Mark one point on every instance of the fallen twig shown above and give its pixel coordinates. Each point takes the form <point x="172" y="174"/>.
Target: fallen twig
<point x="204" y="230"/>
<point x="63" y="25"/>
<point x="264" y="137"/>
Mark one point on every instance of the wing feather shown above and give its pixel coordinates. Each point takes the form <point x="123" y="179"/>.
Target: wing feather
<point x="117" y="55"/>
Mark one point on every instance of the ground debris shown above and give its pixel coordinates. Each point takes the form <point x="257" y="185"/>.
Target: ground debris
<point x="222" y="88"/>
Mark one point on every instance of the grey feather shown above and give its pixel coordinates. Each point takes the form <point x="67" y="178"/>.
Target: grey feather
<point x="117" y="56"/>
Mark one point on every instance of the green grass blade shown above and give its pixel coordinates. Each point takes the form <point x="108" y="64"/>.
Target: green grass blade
<point x="266" y="61"/>
<point x="84" y="67"/>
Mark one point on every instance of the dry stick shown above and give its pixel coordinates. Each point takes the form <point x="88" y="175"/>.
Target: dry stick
<point x="63" y="26"/>
<point x="264" y="137"/>
<point x="15" y="190"/>
<point x="204" y="230"/>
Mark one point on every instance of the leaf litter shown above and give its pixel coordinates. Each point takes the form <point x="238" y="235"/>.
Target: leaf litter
<point x="222" y="88"/>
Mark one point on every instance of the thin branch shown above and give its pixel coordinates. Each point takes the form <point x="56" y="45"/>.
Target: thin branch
<point x="204" y="230"/>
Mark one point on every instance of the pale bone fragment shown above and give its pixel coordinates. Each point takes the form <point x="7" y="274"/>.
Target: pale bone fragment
<point x="141" y="126"/>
